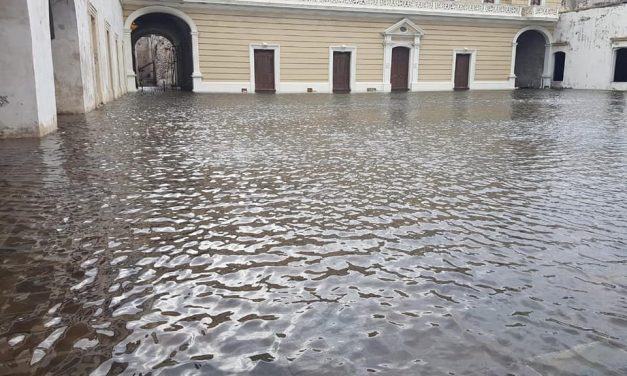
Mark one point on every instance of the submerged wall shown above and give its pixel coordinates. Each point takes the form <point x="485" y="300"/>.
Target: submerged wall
<point x="589" y="39"/>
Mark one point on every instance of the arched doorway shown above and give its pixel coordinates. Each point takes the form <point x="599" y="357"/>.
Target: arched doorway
<point x="150" y="28"/>
<point x="170" y="28"/>
<point x="532" y="51"/>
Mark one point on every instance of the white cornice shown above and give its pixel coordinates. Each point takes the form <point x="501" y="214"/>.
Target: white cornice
<point x="381" y="7"/>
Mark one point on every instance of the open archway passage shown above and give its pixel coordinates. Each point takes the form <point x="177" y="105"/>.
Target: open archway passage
<point x="169" y="40"/>
<point x="530" y="59"/>
<point x="155" y="59"/>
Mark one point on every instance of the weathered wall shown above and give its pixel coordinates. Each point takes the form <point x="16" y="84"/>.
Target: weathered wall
<point x="66" y="55"/>
<point x="27" y="105"/>
<point x="589" y="54"/>
<point x="108" y="16"/>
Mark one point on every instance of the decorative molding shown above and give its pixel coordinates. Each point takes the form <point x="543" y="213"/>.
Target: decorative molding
<point x="453" y="8"/>
<point x="393" y="37"/>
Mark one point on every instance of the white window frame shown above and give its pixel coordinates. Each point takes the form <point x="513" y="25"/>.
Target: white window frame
<point x="277" y="63"/>
<point x="471" y="70"/>
<point x="353" y="72"/>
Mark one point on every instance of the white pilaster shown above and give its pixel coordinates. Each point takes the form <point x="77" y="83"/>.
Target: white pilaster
<point x="196" y="75"/>
<point x="128" y="62"/>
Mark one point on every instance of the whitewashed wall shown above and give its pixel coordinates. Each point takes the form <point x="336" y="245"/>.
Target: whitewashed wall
<point x="107" y="12"/>
<point x="589" y="52"/>
<point x="27" y="99"/>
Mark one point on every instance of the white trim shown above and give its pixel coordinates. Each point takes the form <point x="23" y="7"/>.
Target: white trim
<point x="223" y="87"/>
<point x="159" y="9"/>
<point x="393" y="37"/>
<point x="360" y="86"/>
<point x="277" y="63"/>
<point x="302" y="87"/>
<point x="422" y="8"/>
<point x="471" y="68"/>
<point x="492" y="85"/>
<point x="363" y="86"/>
<point x="128" y="51"/>
<point x="353" y="51"/>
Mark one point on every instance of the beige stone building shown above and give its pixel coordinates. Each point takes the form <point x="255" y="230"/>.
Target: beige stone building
<point x="297" y="46"/>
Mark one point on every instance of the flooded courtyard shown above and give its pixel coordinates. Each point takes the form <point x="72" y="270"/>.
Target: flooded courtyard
<point x="466" y="233"/>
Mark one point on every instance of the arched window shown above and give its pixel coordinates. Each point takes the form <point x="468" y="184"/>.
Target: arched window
<point x="620" y="66"/>
<point x="558" y="68"/>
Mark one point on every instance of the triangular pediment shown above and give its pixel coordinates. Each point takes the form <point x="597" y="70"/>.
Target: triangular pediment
<point x="404" y="27"/>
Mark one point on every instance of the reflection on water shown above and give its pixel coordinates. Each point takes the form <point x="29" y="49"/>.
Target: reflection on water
<point x="432" y="233"/>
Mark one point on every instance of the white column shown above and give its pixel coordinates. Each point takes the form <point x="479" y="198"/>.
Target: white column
<point x="512" y="71"/>
<point x="196" y="75"/>
<point x="546" y="74"/>
<point x="128" y="62"/>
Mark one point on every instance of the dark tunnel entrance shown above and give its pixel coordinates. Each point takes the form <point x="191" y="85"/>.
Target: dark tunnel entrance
<point x="175" y="43"/>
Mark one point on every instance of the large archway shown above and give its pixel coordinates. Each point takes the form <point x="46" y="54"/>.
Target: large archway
<point x="174" y="25"/>
<point x="177" y="32"/>
<point x="532" y="58"/>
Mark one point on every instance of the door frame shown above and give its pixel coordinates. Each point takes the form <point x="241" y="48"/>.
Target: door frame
<point x="277" y="63"/>
<point x="353" y="65"/>
<point x="471" y="68"/>
<point x="404" y="33"/>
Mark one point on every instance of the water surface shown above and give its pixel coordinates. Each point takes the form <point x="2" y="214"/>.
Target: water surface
<point x="463" y="233"/>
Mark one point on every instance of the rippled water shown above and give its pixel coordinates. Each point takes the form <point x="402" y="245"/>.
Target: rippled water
<point x="435" y="233"/>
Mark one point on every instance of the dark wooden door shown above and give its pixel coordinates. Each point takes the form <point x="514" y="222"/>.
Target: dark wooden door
<point x="399" y="74"/>
<point x="462" y="70"/>
<point x="264" y="71"/>
<point x="341" y="72"/>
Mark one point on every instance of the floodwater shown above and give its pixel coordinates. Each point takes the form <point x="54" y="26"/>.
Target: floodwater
<point x="473" y="233"/>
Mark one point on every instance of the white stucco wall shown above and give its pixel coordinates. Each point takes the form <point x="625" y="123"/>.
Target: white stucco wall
<point x="107" y="12"/>
<point x="27" y="98"/>
<point x="67" y="61"/>
<point x="589" y="54"/>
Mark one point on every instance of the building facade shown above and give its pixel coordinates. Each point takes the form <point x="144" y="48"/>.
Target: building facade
<point x="297" y="46"/>
<point x="70" y="56"/>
